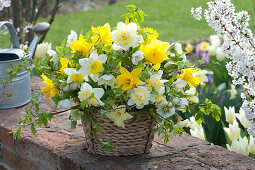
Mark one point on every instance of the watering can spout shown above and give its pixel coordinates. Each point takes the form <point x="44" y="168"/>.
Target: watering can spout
<point x="38" y="29"/>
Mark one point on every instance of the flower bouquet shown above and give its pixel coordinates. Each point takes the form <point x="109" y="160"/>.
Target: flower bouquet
<point x="124" y="84"/>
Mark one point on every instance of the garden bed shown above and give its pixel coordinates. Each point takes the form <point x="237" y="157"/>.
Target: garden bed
<point x="57" y="147"/>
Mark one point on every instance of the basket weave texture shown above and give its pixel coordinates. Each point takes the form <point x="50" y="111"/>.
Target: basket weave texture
<point x="135" y="138"/>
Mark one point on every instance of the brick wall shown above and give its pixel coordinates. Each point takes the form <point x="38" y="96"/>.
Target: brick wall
<point x="56" y="147"/>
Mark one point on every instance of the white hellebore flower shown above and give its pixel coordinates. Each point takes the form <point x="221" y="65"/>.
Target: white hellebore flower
<point x="242" y="118"/>
<point x="107" y="80"/>
<point x="240" y="146"/>
<point x="126" y="36"/>
<point x="178" y="49"/>
<point x="198" y="132"/>
<point x="71" y="38"/>
<point x="140" y="96"/>
<point x="191" y="92"/>
<point x="252" y="145"/>
<point x="160" y="98"/>
<point x="180" y="103"/>
<point x="179" y="85"/>
<point x="155" y="81"/>
<point x="136" y="57"/>
<point x="41" y="50"/>
<point x="92" y="96"/>
<point x="233" y="131"/>
<point x="230" y="114"/>
<point x="93" y="65"/>
<point x="166" y="109"/>
<point x="66" y="103"/>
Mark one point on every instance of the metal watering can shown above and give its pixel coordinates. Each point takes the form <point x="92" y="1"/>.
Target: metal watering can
<point x="20" y="86"/>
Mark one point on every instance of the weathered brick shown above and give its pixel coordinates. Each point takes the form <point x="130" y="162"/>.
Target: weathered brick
<point x="6" y="137"/>
<point x="175" y="163"/>
<point x="181" y="142"/>
<point x="219" y="157"/>
<point x="17" y="162"/>
<point x="84" y="160"/>
<point x="48" y="146"/>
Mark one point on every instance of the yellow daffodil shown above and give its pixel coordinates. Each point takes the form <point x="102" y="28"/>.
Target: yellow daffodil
<point x="81" y="45"/>
<point x="155" y="52"/>
<point x="118" y="116"/>
<point x="189" y="78"/>
<point x="64" y="64"/>
<point x="102" y="34"/>
<point x="151" y="34"/>
<point x="204" y="46"/>
<point x="127" y="79"/>
<point x="189" y="48"/>
<point x="50" y="89"/>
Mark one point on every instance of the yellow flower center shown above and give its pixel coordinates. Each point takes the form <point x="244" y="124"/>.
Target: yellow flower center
<point x="166" y="109"/>
<point x="118" y="114"/>
<point x="76" y="77"/>
<point x="85" y="95"/>
<point x="96" y="67"/>
<point x="140" y="97"/>
<point x="124" y="38"/>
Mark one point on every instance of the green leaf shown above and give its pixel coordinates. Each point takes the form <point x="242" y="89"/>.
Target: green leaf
<point x="128" y="15"/>
<point x="140" y="16"/>
<point x="107" y="145"/>
<point x="33" y="130"/>
<point x="131" y="7"/>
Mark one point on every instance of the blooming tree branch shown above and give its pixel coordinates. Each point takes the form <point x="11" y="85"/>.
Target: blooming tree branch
<point x="238" y="47"/>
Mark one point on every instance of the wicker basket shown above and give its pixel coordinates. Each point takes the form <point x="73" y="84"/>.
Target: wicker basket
<point x="135" y="138"/>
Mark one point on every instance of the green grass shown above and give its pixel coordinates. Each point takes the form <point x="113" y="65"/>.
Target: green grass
<point x="171" y="18"/>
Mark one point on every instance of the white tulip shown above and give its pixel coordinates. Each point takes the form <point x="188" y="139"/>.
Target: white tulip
<point x="230" y="114"/>
<point x="233" y="131"/>
<point x="198" y="132"/>
<point x="42" y="49"/>
<point x="252" y="145"/>
<point x="240" y="146"/>
<point x="220" y="56"/>
<point x="242" y="118"/>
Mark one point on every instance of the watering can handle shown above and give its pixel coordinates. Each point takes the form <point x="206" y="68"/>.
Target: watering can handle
<point x="14" y="37"/>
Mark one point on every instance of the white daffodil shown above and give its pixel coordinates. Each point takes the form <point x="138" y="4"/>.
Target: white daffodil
<point x="160" y="98"/>
<point x="202" y="74"/>
<point x="233" y="131"/>
<point x="242" y="118"/>
<point x="191" y="92"/>
<point x="92" y="96"/>
<point x="230" y="114"/>
<point x="54" y="56"/>
<point x="140" y="96"/>
<point x="41" y="50"/>
<point x="137" y="56"/>
<point x="252" y="145"/>
<point x="232" y="92"/>
<point x="165" y="109"/>
<point x="180" y="103"/>
<point x="155" y="81"/>
<point x="179" y="85"/>
<point x="125" y="36"/>
<point x="73" y="75"/>
<point x="93" y="65"/>
<point x="118" y="116"/>
<point x="107" y="80"/>
<point x="240" y="146"/>
<point x="66" y="103"/>
<point x="71" y="38"/>
<point x="198" y="132"/>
